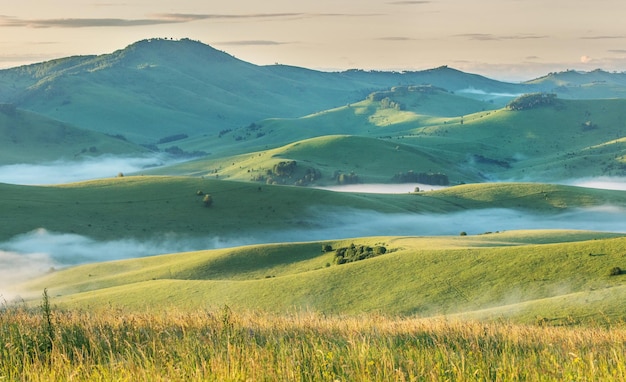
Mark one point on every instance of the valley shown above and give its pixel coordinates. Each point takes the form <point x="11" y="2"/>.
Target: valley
<point x="106" y="164"/>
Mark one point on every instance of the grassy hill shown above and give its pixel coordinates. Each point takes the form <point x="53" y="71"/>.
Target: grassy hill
<point x="150" y="207"/>
<point x="518" y="275"/>
<point x="26" y="137"/>
<point x="566" y="140"/>
<point x="156" y="88"/>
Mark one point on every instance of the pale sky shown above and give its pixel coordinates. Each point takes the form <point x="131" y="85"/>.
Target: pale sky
<point x="503" y="39"/>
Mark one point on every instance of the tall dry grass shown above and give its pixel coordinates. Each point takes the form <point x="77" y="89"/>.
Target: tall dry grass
<point x="222" y="345"/>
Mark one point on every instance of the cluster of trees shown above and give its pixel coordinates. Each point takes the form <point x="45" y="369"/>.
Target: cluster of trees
<point x="283" y="168"/>
<point x="354" y="253"/>
<point x="531" y="101"/>
<point x="343" y="178"/>
<point x="438" y="179"/>
<point x="286" y="171"/>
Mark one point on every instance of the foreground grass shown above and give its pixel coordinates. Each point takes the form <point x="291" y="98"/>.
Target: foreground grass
<point x="227" y="346"/>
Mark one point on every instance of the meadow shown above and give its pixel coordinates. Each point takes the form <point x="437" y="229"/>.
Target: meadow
<point x="225" y="345"/>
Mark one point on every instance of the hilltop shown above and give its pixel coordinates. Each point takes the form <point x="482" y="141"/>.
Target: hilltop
<point x="156" y="88"/>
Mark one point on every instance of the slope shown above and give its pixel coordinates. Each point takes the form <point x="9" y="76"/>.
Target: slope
<point x="482" y="274"/>
<point x="26" y="137"/>
<point x="146" y="207"/>
<point x="156" y="88"/>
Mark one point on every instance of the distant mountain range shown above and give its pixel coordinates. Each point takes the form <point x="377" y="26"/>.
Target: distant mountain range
<point x="186" y="98"/>
<point x="156" y="88"/>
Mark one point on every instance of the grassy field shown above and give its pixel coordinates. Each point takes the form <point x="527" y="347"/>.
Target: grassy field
<point x="151" y="206"/>
<point x="519" y="275"/>
<point x="226" y="345"/>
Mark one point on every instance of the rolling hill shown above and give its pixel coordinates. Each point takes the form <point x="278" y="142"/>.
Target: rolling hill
<point x="388" y="134"/>
<point x="523" y="276"/>
<point x="147" y="207"/>
<point x="27" y="137"/>
<point x="156" y="88"/>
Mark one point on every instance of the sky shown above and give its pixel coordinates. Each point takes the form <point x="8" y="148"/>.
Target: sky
<point x="511" y="40"/>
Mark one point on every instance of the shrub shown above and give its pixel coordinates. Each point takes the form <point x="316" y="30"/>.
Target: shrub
<point x="207" y="200"/>
<point x="615" y="271"/>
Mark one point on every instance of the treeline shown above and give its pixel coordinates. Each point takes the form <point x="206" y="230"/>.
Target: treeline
<point x="531" y="101"/>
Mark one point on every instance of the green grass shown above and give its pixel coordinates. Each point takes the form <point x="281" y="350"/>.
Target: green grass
<point x="148" y="206"/>
<point x="26" y="137"/>
<point x="521" y="276"/>
<point x="547" y="144"/>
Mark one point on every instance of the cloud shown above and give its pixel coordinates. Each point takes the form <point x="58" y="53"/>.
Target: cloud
<point x="396" y="38"/>
<point x="618" y="51"/>
<point x="155" y="19"/>
<point x="585" y="59"/>
<point x="603" y="37"/>
<point x="493" y="37"/>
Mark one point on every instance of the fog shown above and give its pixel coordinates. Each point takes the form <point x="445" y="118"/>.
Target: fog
<point x="382" y="188"/>
<point x="62" y="171"/>
<point x="492" y="94"/>
<point x="32" y="254"/>
<point x="602" y="182"/>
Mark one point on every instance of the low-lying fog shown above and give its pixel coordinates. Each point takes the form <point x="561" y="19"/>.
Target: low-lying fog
<point x="35" y="253"/>
<point x="62" y="171"/>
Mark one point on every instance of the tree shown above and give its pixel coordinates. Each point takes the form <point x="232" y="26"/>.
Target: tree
<point x="207" y="200"/>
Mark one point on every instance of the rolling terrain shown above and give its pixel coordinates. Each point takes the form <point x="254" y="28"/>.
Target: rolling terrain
<point x="233" y="225"/>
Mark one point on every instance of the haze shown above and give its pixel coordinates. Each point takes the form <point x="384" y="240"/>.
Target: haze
<point x="503" y="39"/>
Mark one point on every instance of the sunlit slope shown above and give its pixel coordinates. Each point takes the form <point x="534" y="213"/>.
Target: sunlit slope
<point x="383" y="114"/>
<point x="149" y="207"/>
<point x="26" y="137"/>
<point x="570" y="139"/>
<point x="425" y="276"/>
<point x="373" y="160"/>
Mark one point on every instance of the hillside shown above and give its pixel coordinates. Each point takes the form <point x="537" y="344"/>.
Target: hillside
<point x="157" y="88"/>
<point x="26" y="137"/>
<point x="145" y="207"/>
<point x="567" y="140"/>
<point x="512" y="275"/>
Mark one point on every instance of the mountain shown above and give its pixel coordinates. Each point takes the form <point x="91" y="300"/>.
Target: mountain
<point x="27" y="137"/>
<point x="156" y="88"/>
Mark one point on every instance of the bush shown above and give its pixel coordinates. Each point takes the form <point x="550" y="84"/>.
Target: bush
<point x="207" y="200"/>
<point x="357" y="252"/>
<point x="615" y="271"/>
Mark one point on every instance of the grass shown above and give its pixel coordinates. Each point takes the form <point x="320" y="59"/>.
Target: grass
<point x="519" y="275"/>
<point x="152" y="206"/>
<point x="226" y="345"/>
<point x="26" y="137"/>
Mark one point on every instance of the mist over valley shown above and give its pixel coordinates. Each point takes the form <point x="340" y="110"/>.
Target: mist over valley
<point x="169" y="161"/>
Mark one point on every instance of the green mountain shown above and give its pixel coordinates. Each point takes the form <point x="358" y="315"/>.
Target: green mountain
<point x="157" y="88"/>
<point x="27" y="137"/>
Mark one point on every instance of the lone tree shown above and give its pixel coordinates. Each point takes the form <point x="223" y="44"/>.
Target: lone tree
<point x="207" y="200"/>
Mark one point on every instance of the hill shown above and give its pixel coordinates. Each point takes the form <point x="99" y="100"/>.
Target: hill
<point x="145" y="207"/>
<point x="514" y="274"/>
<point x="156" y="88"/>
<point x="26" y="137"/>
<point x="565" y="140"/>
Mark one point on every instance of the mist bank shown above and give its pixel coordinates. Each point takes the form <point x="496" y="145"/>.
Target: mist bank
<point x="34" y="253"/>
<point x="65" y="171"/>
<point x="382" y="188"/>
